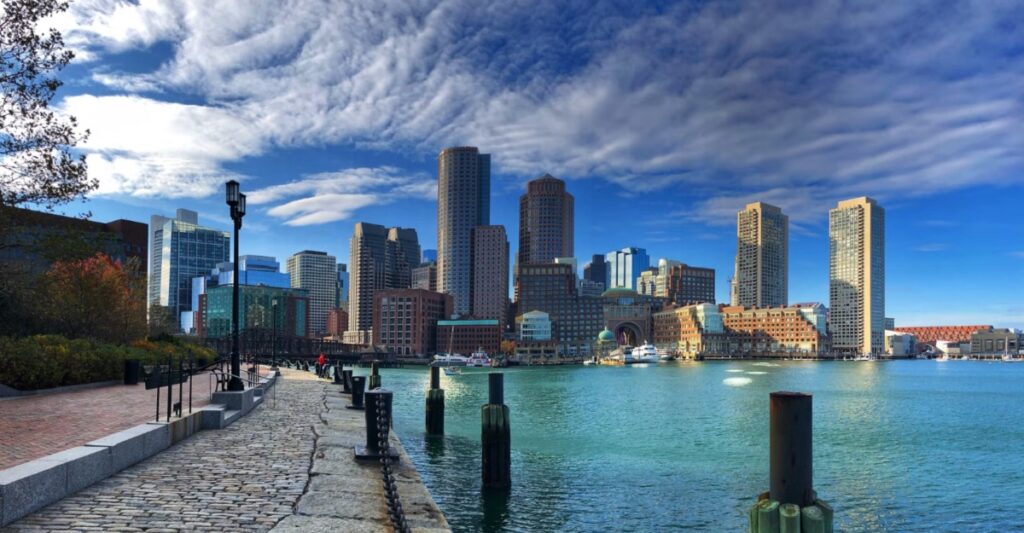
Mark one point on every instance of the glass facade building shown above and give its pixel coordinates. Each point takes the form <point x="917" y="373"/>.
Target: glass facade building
<point x="624" y="266"/>
<point x="255" y="310"/>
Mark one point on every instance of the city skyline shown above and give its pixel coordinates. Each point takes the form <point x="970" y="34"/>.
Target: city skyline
<point x="669" y="188"/>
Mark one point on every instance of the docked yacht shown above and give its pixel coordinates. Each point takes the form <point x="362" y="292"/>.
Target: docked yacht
<point x="444" y="359"/>
<point x="478" y="358"/>
<point x="645" y="353"/>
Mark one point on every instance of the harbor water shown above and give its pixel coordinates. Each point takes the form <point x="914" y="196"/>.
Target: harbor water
<point x="902" y="446"/>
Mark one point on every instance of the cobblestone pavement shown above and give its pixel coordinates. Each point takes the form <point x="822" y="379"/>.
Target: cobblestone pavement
<point x="246" y="477"/>
<point x="35" y="426"/>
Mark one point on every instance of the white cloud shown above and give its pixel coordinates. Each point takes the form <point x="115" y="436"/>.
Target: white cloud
<point x="788" y="105"/>
<point x="330" y="196"/>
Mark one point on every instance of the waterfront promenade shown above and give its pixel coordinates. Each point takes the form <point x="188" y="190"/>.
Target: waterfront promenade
<point x="287" y="465"/>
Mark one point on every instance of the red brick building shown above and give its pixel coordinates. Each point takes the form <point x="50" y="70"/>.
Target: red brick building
<point x="467" y="336"/>
<point x="337" y="322"/>
<point x="931" y="334"/>
<point x="405" y="320"/>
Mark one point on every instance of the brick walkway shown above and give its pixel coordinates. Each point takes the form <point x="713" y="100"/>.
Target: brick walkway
<point x="36" y="426"/>
<point x="243" y="478"/>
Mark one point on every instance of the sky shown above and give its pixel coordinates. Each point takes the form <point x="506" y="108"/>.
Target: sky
<point x="664" y="118"/>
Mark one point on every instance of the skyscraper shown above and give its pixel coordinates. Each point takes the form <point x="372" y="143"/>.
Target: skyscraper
<point x="317" y="273"/>
<point x="761" y="277"/>
<point x="856" y="234"/>
<point x="490" y="273"/>
<point x="596" y="270"/>
<point x="341" y="289"/>
<point x="379" y="258"/>
<point x="545" y="221"/>
<point x="463" y="202"/>
<point x="179" y="250"/>
<point x="624" y="266"/>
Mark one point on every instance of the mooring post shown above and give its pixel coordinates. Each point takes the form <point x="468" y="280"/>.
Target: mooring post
<point x="170" y="389"/>
<point x="346" y="382"/>
<point x="358" y="386"/>
<point x="435" y="404"/>
<point x="374" y="381"/>
<point x="378" y="422"/>
<point x="790" y="505"/>
<point x="337" y="373"/>
<point x="495" y="436"/>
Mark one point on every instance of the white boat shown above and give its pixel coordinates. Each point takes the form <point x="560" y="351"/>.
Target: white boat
<point x="944" y="357"/>
<point x="665" y="356"/>
<point x="965" y="358"/>
<point x="452" y="371"/>
<point x="866" y="357"/>
<point x="588" y="361"/>
<point x="645" y="353"/>
<point x="444" y="359"/>
<point x="478" y="358"/>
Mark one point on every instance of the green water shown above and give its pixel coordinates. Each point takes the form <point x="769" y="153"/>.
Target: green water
<point x="898" y="446"/>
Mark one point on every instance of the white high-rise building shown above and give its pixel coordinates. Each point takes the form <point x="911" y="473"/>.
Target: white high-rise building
<point x="762" y="257"/>
<point x="316" y="273"/>
<point x="856" y="231"/>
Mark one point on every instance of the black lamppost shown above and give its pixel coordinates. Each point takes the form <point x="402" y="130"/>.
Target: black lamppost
<point x="236" y="200"/>
<point x="273" y="351"/>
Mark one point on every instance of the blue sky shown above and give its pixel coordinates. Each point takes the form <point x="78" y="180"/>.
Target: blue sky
<point x="664" y="118"/>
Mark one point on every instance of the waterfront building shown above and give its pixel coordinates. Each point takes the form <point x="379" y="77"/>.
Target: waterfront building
<point x="463" y="202"/>
<point x="857" y="276"/>
<point x="341" y="289"/>
<point x="624" y="266"/>
<point x="316" y="273"/>
<point x="405" y="320"/>
<point x="180" y="250"/>
<point x="997" y="341"/>
<point x="337" y="322"/>
<point x="775" y="331"/>
<point x="425" y="277"/>
<point x="690" y="331"/>
<point x="490" y="273"/>
<point x="32" y="239"/>
<point x="952" y="348"/>
<point x="900" y="345"/>
<point x="545" y="221"/>
<point x="379" y="258"/>
<point x="761" y="276"/>
<point x="678" y="283"/>
<point x="256" y="307"/>
<point x="534" y="326"/>
<point x="252" y="270"/>
<point x="467" y="336"/>
<point x="596" y="270"/>
<point x="629" y="315"/>
<point x="551" y="288"/>
<point x="931" y="335"/>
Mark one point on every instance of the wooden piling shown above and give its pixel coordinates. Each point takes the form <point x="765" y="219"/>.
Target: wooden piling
<point x="496" y="437"/>
<point x="790" y="459"/>
<point x="435" y="404"/>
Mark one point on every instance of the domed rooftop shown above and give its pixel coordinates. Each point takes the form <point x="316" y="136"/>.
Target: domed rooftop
<point x="618" y="292"/>
<point x="606" y="336"/>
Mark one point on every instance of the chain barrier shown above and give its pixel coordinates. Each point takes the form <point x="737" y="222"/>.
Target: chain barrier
<point x="390" y="485"/>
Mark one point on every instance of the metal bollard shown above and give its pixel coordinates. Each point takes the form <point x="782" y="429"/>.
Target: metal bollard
<point x="496" y="437"/>
<point x="358" y="386"/>
<point x="374" y="380"/>
<point x="790" y="504"/>
<point x="378" y="409"/>
<point x="346" y="382"/>
<point x="789" y="453"/>
<point x="337" y="374"/>
<point x="435" y="404"/>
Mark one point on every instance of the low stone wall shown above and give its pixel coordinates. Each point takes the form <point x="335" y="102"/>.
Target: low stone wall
<point x="30" y="486"/>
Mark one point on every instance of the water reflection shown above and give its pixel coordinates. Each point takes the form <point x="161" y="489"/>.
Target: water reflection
<point x="495" y="507"/>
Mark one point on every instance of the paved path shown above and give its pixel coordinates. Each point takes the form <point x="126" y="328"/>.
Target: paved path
<point x="246" y="477"/>
<point x="35" y="426"/>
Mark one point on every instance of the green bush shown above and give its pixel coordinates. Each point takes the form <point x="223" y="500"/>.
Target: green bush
<point x="46" y="361"/>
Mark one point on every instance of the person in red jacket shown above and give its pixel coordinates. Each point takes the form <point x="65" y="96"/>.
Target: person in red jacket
<point x="321" y="364"/>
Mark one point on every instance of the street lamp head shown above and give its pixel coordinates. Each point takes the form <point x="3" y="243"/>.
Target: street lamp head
<point x="232" y="193"/>
<point x="241" y="205"/>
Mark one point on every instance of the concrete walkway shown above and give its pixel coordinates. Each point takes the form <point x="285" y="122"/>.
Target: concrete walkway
<point x="246" y="477"/>
<point x="346" y="495"/>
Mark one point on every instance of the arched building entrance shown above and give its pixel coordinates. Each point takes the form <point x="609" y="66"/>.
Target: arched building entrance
<point x="628" y="334"/>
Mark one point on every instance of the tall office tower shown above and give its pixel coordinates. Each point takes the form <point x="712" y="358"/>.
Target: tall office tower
<point x="379" y="258"/>
<point x="545" y="221"/>
<point x="596" y="270"/>
<point x="679" y="283"/>
<point x="179" y="250"/>
<point x="856" y="234"/>
<point x="762" y="257"/>
<point x="341" y="290"/>
<point x="624" y="266"/>
<point x="463" y="202"/>
<point x="490" y="273"/>
<point x="317" y="273"/>
<point x="425" y="277"/>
